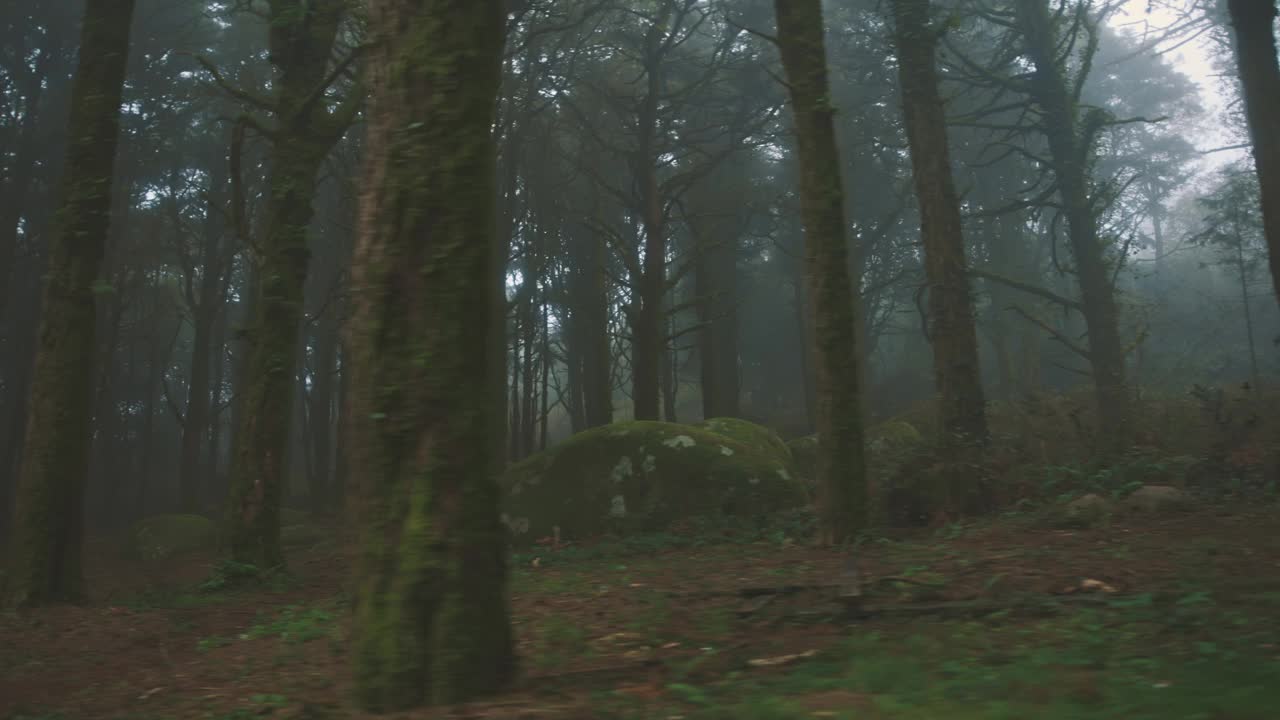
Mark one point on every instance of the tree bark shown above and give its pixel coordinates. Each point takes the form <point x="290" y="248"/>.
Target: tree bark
<point x="48" y="534"/>
<point x="431" y="619"/>
<point x="301" y="43"/>
<point x="1254" y="22"/>
<point x="952" y="335"/>
<point x="841" y="468"/>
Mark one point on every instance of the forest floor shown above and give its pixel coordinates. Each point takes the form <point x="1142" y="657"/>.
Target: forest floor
<point x="1175" y="617"/>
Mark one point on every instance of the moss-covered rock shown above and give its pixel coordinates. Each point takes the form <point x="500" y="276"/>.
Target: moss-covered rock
<point x="165" y="536"/>
<point x="639" y="475"/>
<point x="893" y="435"/>
<point x="1084" y="512"/>
<point x="748" y="433"/>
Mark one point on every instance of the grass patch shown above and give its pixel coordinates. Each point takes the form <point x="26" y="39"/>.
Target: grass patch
<point x="1121" y="662"/>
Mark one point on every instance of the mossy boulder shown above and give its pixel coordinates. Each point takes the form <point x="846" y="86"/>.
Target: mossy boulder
<point x="893" y="435"/>
<point x="644" y="476"/>
<point x="1084" y="512"/>
<point x="1156" y="500"/>
<point x="164" y="536"/>
<point x="748" y="433"/>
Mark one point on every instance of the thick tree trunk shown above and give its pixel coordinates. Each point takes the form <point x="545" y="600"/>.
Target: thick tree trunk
<point x="958" y="379"/>
<point x="1058" y="112"/>
<point x="45" y="563"/>
<point x="301" y="44"/>
<point x="1254" y="22"/>
<point x="431" y="619"/>
<point x="841" y="468"/>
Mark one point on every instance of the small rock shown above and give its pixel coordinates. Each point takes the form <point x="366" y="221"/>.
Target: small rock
<point x="1086" y="511"/>
<point x="1156" y="499"/>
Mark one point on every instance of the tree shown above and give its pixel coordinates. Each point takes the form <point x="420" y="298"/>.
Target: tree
<point x="841" y="468"/>
<point x="1254" y="22"/>
<point x="1232" y="227"/>
<point x="48" y="531"/>
<point x="951" y="331"/>
<point x="302" y="41"/>
<point x="431" y="620"/>
<point x="1070" y="135"/>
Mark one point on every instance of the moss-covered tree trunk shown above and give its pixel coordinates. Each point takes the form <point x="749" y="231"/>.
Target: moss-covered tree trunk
<point x="952" y="334"/>
<point x="1254" y="22"/>
<point x="1070" y="146"/>
<point x="431" y="618"/>
<point x="301" y="44"/>
<point x="48" y="530"/>
<point x="841" y="467"/>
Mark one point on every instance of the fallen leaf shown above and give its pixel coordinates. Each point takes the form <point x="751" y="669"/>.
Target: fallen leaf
<point x="1091" y="584"/>
<point x="781" y="659"/>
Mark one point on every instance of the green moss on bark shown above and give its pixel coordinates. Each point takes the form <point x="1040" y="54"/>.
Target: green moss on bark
<point x="841" y="472"/>
<point x="48" y="527"/>
<point x="301" y="44"/>
<point x="431" y="622"/>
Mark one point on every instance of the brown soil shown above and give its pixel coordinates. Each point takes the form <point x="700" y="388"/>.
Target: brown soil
<point x="622" y="624"/>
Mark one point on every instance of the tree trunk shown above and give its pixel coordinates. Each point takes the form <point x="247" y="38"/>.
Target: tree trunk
<point x="218" y="363"/>
<point x="648" y="322"/>
<point x="431" y="619"/>
<point x="302" y="39"/>
<point x="321" y="411"/>
<point x="958" y="379"/>
<point x="45" y="561"/>
<point x="20" y="360"/>
<point x="841" y="468"/>
<point x="342" y="435"/>
<point x="590" y="327"/>
<point x="515" y="431"/>
<point x="1254" y="22"/>
<point x="1070" y="153"/>
<point x="715" y="282"/>
<point x="195" y="427"/>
